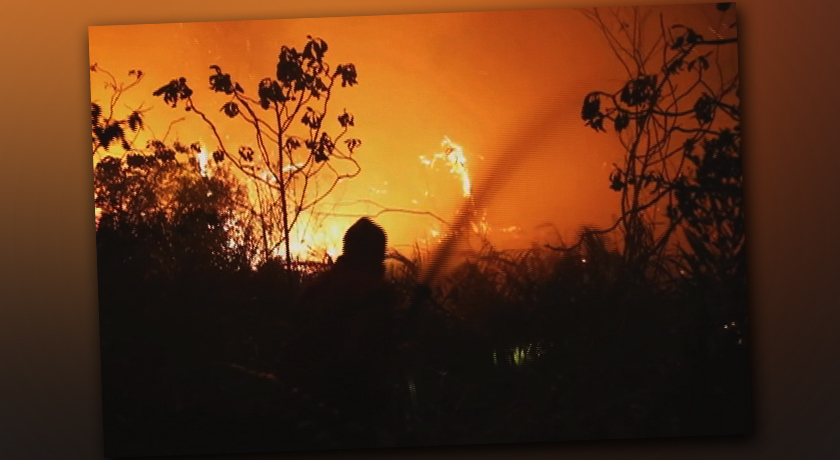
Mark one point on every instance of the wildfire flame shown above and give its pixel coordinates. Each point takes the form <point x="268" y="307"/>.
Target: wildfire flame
<point x="314" y="237"/>
<point x="310" y="240"/>
<point x="453" y="155"/>
<point x="202" y="163"/>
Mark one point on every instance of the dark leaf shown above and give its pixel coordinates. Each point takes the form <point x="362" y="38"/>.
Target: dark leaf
<point x="135" y="121"/>
<point x="352" y="144"/>
<point x="688" y="145"/>
<point x="269" y="91"/>
<point x="95" y="113"/>
<point x="289" y="70"/>
<point x="311" y="118"/>
<point x="218" y="156"/>
<point x="693" y="37"/>
<point x="165" y="154"/>
<point x="621" y="121"/>
<point x="640" y="90"/>
<point x="246" y="153"/>
<point x="345" y="119"/>
<point x="678" y="43"/>
<point x="326" y="144"/>
<point x="174" y="91"/>
<point x="292" y="143"/>
<point x="726" y="138"/>
<point x="347" y="73"/>
<point x="591" y="107"/>
<point x="676" y="66"/>
<point x="616" y="182"/>
<point x="110" y="133"/>
<point x="704" y="109"/>
<point x="179" y="147"/>
<point x="231" y="109"/>
<point x="307" y="50"/>
<point x="221" y="82"/>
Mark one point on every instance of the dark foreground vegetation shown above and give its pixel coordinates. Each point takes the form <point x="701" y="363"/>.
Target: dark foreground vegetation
<point x="540" y="345"/>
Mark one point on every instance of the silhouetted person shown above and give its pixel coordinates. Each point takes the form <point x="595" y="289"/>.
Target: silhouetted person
<point x="346" y="347"/>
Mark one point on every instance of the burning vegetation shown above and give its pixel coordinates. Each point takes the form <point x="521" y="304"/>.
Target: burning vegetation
<point x="237" y="289"/>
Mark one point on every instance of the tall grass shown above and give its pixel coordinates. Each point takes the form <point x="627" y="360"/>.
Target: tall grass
<point x="579" y="341"/>
<point x="506" y="346"/>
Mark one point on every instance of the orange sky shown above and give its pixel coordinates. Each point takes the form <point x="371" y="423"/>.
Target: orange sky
<point x="473" y="77"/>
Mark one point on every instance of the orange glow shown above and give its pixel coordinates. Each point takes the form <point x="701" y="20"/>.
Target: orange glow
<point x="473" y="77"/>
<point x="312" y="240"/>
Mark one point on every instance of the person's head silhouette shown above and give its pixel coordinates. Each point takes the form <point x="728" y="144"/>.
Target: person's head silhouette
<point x="364" y="246"/>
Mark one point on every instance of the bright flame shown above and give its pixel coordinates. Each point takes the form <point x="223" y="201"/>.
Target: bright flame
<point x="293" y="167"/>
<point x="453" y="154"/>
<point x="270" y="178"/>
<point x="311" y="238"/>
<point x="308" y="242"/>
<point x="202" y="163"/>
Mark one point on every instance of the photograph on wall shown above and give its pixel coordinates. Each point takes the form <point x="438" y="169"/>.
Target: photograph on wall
<point x="420" y="230"/>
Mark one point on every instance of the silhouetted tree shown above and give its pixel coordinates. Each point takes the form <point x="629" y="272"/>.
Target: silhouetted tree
<point x="170" y="216"/>
<point x="107" y="128"/>
<point x="281" y="165"/>
<point x="169" y="198"/>
<point x="678" y="119"/>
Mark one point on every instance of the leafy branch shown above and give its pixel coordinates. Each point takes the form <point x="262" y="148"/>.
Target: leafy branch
<point x="284" y="164"/>
<point x="679" y="131"/>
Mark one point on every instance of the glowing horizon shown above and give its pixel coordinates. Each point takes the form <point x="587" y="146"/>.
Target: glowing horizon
<point x="467" y="78"/>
